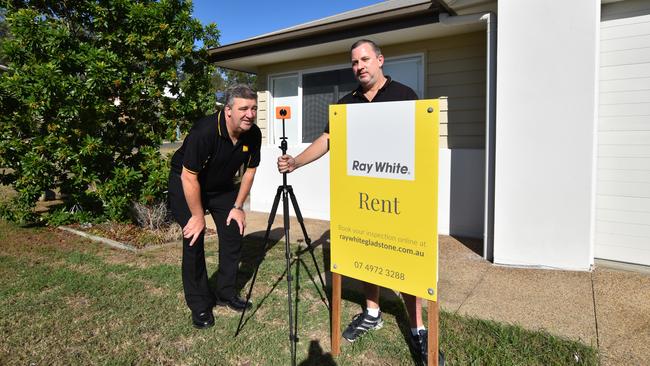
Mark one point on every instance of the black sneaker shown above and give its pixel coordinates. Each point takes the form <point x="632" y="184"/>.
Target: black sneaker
<point x="362" y="323"/>
<point x="421" y="345"/>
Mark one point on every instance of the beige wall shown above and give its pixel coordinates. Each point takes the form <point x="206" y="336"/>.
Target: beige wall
<point x="262" y="112"/>
<point x="454" y="67"/>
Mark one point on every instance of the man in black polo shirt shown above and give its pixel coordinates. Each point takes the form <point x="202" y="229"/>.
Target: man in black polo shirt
<point x="201" y="177"/>
<point x="374" y="86"/>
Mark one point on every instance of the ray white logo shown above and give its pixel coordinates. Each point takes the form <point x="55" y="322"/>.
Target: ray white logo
<point x="381" y="140"/>
<point x="380" y="167"/>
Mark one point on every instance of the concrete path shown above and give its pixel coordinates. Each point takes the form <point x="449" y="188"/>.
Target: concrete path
<point x="608" y="308"/>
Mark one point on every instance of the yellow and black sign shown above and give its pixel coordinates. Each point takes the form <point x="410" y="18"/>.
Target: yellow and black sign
<point x="384" y="194"/>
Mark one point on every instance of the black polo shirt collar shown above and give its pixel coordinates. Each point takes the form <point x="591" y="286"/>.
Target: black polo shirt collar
<point x="222" y="128"/>
<point x="226" y="157"/>
<point x="358" y="92"/>
<point x="391" y="91"/>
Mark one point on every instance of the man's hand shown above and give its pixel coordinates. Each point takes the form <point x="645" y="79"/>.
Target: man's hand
<point x="286" y="164"/>
<point x="194" y="227"/>
<point x="239" y="216"/>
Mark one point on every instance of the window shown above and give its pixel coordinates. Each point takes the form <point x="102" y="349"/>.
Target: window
<point x="319" y="90"/>
<point x="284" y="90"/>
<point x="309" y="94"/>
<point x="408" y="71"/>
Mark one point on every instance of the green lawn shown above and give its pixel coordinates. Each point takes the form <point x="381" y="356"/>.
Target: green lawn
<point x="65" y="300"/>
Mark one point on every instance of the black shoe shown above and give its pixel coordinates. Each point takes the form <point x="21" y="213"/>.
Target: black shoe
<point x="420" y="343"/>
<point x="236" y="303"/>
<point x="361" y="324"/>
<point x="202" y="319"/>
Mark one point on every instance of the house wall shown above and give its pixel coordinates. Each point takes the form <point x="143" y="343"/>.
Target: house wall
<point x="262" y="113"/>
<point x="454" y="67"/>
<point x="623" y="181"/>
<point x="624" y="9"/>
<point x="545" y="133"/>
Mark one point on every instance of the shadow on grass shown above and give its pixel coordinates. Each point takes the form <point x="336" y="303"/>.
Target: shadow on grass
<point x="253" y="256"/>
<point x="352" y="290"/>
<point x="316" y="356"/>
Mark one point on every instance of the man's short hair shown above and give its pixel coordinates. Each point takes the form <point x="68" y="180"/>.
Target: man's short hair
<point x="239" y="91"/>
<point x="371" y="43"/>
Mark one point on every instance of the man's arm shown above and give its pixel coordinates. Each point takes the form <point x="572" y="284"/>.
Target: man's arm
<point x="238" y="214"/>
<point x="192" y="191"/>
<point x="318" y="148"/>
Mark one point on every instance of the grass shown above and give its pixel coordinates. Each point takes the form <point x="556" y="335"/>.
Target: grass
<point x="66" y="301"/>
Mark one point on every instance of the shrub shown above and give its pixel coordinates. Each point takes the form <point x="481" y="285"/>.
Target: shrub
<point x="154" y="216"/>
<point x="83" y="103"/>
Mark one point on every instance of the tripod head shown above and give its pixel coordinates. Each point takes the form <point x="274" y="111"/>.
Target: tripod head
<point x="283" y="113"/>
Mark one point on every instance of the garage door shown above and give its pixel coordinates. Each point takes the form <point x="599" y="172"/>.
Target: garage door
<point x="623" y="181"/>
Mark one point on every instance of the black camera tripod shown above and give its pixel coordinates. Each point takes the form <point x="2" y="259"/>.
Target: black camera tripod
<point x="286" y="192"/>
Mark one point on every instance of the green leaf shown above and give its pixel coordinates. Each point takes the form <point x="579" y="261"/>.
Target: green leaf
<point x="70" y="62"/>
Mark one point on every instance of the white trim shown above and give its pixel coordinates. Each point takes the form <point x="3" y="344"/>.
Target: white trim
<point x="594" y="152"/>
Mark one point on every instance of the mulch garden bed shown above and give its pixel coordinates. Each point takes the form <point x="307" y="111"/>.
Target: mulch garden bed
<point x="133" y="235"/>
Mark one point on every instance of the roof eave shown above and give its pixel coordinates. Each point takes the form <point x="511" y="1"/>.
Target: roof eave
<point x="362" y="25"/>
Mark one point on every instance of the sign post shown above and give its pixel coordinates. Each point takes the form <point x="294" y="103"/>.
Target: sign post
<point x="384" y="200"/>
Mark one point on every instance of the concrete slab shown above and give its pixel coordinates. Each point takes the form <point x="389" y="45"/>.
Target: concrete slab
<point x="559" y="302"/>
<point x="623" y="308"/>
<point x="257" y="222"/>
<point x="317" y="230"/>
<point x="460" y="270"/>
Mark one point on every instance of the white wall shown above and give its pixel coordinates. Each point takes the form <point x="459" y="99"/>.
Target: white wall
<point x="460" y="203"/>
<point x="545" y="132"/>
<point x="623" y="185"/>
<point x="310" y="183"/>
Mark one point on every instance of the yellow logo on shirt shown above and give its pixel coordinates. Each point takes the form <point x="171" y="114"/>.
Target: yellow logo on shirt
<point x="244" y="148"/>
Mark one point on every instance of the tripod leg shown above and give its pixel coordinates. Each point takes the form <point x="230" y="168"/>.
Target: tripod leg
<point x="274" y="209"/>
<point x="296" y="302"/>
<point x="287" y="251"/>
<point x="323" y="296"/>
<point x="294" y="201"/>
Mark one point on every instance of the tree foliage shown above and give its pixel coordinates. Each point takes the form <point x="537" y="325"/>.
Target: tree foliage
<point x="4" y="34"/>
<point x="92" y="89"/>
<point x="224" y="78"/>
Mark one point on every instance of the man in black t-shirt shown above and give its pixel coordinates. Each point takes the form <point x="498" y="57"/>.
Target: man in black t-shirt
<point x="374" y="87"/>
<point x="201" y="177"/>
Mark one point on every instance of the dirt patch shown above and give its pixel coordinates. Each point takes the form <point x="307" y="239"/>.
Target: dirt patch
<point x="16" y="240"/>
<point x="154" y="290"/>
<point x="36" y="243"/>
<point x="184" y="344"/>
<point x="77" y="302"/>
<point x="134" y="235"/>
<point x="131" y="234"/>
